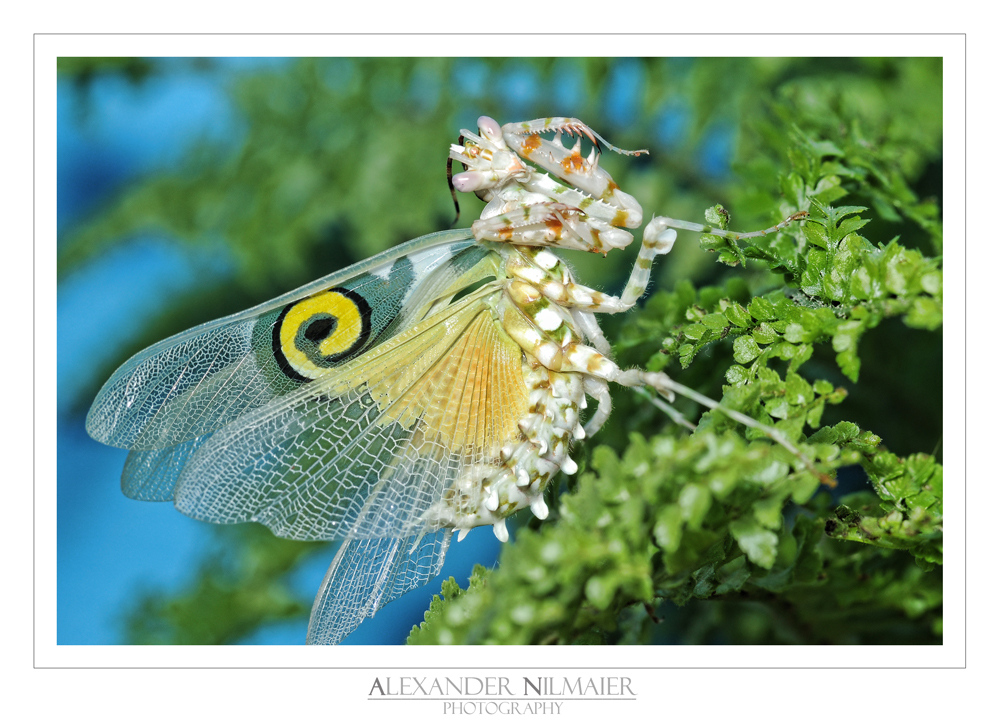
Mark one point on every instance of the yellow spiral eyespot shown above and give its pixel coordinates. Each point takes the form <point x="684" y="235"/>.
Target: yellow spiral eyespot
<point x="313" y="335"/>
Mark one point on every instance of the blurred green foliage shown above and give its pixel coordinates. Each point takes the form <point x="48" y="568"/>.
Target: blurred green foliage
<point x="83" y="71"/>
<point x="242" y="585"/>
<point x="828" y="330"/>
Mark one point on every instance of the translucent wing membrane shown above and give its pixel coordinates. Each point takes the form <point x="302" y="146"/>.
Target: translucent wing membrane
<point x="152" y="475"/>
<point x="366" y="574"/>
<point x="362" y="451"/>
<point x="189" y="389"/>
<point x="196" y="382"/>
<point x="367" y="450"/>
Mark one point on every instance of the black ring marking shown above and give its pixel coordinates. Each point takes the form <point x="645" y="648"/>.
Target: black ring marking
<point x="319" y="327"/>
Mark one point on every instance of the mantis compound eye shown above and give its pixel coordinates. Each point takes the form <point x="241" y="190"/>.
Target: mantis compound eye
<point x="469" y="181"/>
<point x="490" y="129"/>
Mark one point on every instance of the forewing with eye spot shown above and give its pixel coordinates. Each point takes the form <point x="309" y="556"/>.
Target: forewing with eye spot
<point x="194" y="383"/>
<point x="366" y="450"/>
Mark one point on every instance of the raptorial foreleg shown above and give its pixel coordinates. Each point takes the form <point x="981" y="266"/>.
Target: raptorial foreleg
<point x="558" y="286"/>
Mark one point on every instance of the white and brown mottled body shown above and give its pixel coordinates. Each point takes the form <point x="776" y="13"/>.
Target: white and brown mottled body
<point x="542" y="308"/>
